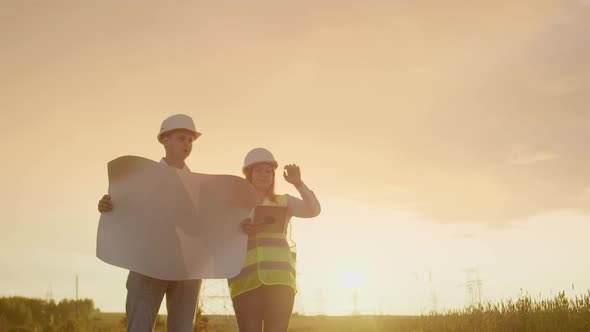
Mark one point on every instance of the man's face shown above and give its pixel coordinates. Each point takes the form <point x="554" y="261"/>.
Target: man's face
<point x="178" y="143"/>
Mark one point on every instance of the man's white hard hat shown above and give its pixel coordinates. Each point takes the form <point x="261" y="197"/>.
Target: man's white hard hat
<point x="177" y="121"/>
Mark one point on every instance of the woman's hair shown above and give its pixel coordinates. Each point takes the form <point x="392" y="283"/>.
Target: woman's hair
<point x="271" y="191"/>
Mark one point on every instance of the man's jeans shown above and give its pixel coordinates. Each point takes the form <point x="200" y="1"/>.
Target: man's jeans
<point x="145" y="294"/>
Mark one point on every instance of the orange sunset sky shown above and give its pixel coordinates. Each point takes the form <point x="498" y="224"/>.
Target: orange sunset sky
<point x="438" y="137"/>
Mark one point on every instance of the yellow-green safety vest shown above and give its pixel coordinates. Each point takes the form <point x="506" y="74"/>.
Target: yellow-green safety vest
<point x="268" y="261"/>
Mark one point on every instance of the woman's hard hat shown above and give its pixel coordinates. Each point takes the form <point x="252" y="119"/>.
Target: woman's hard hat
<point x="257" y="156"/>
<point x="177" y="121"/>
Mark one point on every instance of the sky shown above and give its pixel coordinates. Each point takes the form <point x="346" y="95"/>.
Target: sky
<point x="439" y="137"/>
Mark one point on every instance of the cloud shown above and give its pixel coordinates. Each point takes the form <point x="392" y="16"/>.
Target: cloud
<point x="399" y="189"/>
<point x="534" y="92"/>
<point x="531" y="158"/>
<point x="466" y="236"/>
<point x="398" y="104"/>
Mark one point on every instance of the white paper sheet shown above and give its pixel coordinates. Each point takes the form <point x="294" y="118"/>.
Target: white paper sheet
<point x="172" y="224"/>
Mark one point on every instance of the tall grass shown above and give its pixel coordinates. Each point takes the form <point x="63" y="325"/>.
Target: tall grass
<point x="559" y="314"/>
<point x="523" y="314"/>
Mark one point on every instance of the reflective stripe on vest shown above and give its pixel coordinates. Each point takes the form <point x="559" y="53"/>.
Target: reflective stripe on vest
<point x="265" y="242"/>
<point x="268" y="260"/>
<point x="264" y="266"/>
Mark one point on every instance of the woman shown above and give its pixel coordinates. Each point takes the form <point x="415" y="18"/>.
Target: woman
<point x="264" y="292"/>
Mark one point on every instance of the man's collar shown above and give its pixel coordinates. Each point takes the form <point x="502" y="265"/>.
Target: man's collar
<point x="185" y="168"/>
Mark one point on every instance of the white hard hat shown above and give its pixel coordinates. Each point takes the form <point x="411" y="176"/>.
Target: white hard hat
<point x="177" y="121"/>
<point x="257" y="156"/>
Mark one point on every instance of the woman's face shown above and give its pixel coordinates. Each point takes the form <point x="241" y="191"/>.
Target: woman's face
<point x="262" y="176"/>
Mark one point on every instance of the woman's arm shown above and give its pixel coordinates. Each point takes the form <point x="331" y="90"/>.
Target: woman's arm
<point x="306" y="207"/>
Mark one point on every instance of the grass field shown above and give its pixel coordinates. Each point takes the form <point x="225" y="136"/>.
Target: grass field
<point x="111" y="322"/>
<point x="559" y="314"/>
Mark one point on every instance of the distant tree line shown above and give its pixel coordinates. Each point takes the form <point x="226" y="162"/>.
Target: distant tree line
<point x="26" y="314"/>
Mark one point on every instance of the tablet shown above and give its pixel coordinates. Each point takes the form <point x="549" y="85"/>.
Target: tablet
<point x="275" y="217"/>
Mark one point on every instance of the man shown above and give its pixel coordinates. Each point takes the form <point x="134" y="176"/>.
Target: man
<point x="145" y="294"/>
